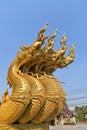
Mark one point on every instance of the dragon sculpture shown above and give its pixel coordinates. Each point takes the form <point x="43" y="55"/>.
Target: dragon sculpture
<point x="37" y="96"/>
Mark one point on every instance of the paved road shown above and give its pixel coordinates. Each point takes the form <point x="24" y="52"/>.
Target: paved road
<point x="68" y="127"/>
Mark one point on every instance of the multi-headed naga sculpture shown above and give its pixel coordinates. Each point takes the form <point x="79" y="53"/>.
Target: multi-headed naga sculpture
<point x="37" y="95"/>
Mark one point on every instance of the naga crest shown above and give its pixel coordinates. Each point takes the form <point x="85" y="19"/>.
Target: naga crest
<point x="37" y="96"/>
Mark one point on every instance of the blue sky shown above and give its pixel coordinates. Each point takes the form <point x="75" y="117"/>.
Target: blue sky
<point x="20" y="21"/>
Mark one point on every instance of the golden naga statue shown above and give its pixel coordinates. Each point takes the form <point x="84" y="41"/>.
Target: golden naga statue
<point x="37" y="96"/>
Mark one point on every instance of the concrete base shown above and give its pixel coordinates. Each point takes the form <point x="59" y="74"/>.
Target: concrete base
<point x="29" y="126"/>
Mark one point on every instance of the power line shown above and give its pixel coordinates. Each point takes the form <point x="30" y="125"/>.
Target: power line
<point x="76" y="98"/>
<point x="76" y="104"/>
<point x="77" y="90"/>
<point x="77" y="93"/>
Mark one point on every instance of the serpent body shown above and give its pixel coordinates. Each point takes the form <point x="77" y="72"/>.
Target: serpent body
<point x="37" y="96"/>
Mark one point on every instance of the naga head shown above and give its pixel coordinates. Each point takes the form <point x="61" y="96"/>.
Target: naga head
<point x="39" y="60"/>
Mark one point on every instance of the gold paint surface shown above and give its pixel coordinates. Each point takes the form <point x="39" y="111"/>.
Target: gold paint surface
<point x="37" y="96"/>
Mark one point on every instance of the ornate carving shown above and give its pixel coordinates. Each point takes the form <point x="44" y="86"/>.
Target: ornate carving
<point x="37" y="96"/>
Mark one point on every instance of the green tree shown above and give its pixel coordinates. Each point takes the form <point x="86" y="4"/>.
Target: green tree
<point x="80" y="113"/>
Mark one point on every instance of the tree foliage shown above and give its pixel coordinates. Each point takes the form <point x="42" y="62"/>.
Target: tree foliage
<point x="81" y="113"/>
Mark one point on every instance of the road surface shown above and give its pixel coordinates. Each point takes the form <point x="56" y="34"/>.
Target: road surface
<point x="69" y="127"/>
